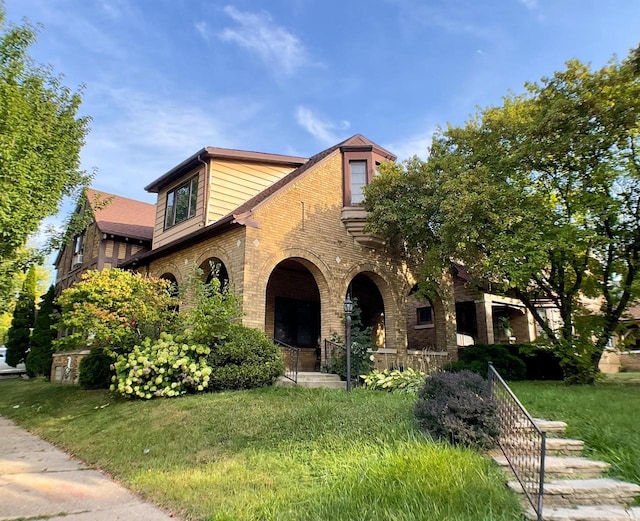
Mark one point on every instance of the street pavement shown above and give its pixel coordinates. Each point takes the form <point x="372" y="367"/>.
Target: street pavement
<point x="38" y="481"/>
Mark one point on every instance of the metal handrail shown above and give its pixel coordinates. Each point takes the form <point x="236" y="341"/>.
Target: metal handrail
<point x="291" y="358"/>
<point x="520" y="439"/>
<point x="330" y="348"/>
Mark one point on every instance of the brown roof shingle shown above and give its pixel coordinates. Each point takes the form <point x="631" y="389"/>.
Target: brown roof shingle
<point x="122" y="216"/>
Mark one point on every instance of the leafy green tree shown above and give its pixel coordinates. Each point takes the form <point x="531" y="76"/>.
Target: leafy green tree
<point x="39" y="359"/>
<point x="115" y="310"/>
<point x="40" y="139"/>
<point x="540" y="197"/>
<point x="22" y="321"/>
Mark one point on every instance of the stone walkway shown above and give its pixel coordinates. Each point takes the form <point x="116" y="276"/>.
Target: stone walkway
<point x="38" y="481"/>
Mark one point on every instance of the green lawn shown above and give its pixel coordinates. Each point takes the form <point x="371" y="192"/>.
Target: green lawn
<point x="606" y="416"/>
<point x="272" y="454"/>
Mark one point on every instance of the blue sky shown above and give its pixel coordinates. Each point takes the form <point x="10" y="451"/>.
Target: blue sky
<point x="163" y="78"/>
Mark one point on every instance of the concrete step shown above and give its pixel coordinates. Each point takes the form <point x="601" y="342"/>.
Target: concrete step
<point x="588" y="513"/>
<point x="314" y="380"/>
<point x="585" y="492"/>
<point x="564" y="467"/>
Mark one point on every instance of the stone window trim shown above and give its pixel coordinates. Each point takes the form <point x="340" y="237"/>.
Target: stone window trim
<point x="181" y="202"/>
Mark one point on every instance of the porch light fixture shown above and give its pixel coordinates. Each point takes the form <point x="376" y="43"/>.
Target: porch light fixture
<point x="348" y="309"/>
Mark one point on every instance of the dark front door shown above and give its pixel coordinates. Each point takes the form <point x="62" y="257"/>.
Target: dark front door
<point x="297" y="322"/>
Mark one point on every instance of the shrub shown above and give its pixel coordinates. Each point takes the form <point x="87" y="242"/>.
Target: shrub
<point x="162" y="367"/>
<point x="39" y="358"/>
<point x="361" y="348"/>
<point x="457" y="408"/>
<point x="244" y="360"/>
<point x="94" y="369"/>
<point x="408" y="381"/>
<point x="114" y="309"/>
<point x="476" y="358"/>
<point x="541" y="362"/>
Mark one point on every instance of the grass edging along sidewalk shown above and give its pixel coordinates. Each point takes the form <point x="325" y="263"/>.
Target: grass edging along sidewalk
<point x="605" y="416"/>
<point x="270" y="454"/>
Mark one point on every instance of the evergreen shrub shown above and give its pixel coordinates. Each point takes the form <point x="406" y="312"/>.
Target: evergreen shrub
<point x="476" y="358"/>
<point x="94" y="370"/>
<point x="245" y="359"/>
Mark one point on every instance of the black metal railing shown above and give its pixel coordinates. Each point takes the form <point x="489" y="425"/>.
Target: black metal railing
<point x="291" y="358"/>
<point x="522" y="442"/>
<point x="335" y="361"/>
<point x="332" y="352"/>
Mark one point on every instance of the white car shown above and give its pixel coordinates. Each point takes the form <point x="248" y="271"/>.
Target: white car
<point x="6" y="368"/>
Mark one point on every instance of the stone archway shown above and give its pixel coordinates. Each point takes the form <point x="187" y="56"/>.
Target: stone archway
<point x="365" y="293"/>
<point x="293" y="310"/>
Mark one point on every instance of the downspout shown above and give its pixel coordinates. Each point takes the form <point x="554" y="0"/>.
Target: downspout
<point x="205" y="217"/>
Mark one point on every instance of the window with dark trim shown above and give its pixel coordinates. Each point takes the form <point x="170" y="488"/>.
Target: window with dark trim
<point x="181" y="203"/>
<point x="358" y="174"/>
<point x="424" y="316"/>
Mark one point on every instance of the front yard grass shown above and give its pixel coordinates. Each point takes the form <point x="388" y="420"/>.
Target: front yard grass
<point x="605" y="416"/>
<point x="270" y="454"/>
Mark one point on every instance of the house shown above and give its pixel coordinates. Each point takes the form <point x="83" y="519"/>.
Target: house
<point x="288" y="235"/>
<point x="118" y="229"/>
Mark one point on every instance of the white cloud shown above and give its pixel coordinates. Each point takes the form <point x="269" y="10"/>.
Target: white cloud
<point x="530" y="4"/>
<point x="138" y="136"/>
<point x="324" y="131"/>
<point x="203" y="29"/>
<point x="259" y="34"/>
<point x="416" y="145"/>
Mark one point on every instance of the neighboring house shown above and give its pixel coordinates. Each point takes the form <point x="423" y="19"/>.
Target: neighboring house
<point x="118" y="229"/>
<point x="287" y="234"/>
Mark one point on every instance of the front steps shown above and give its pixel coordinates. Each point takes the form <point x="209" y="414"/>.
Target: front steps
<point x="316" y="380"/>
<point x="574" y="488"/>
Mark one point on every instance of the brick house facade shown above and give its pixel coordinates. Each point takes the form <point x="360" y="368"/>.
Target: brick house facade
<point x="287" y="234"/>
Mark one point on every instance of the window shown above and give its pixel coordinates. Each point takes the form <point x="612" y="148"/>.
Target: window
<point x="358" y="172"/>
<point x="78" y="249"/>
<point x="424" y="316"/>
<point x="181" y="203"/>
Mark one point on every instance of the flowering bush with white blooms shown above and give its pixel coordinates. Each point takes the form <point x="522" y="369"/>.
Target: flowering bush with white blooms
<point x="162" y="367"/>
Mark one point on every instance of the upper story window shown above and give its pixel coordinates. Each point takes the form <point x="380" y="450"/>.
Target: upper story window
<point x="78" y="249"/>
<point x="358" y="173"/>
<point x="181" y="203"/>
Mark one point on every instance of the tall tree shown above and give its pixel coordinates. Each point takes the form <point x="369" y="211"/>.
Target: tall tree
<point x="39" y="358"/>
<point x="540" y="196"/>
<point x="40" y="140"/>
<point x="22" y="321"/>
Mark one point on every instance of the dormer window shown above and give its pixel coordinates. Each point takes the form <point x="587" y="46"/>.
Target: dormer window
<point x="358" y="173"/>
<point x="181" y="203"/>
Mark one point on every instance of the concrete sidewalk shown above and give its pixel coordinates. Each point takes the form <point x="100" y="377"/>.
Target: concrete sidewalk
<point x="39" y="481"/>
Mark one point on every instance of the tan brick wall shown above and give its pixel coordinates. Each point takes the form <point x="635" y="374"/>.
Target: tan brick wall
<point x="65" y="366"/>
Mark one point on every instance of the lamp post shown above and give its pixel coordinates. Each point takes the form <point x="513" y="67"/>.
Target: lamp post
<point x="348" y="308"/>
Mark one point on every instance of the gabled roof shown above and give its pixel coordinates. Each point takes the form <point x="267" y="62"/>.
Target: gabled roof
<point x="354" y="142"/>
<point x="221" y="153"/>
<point x="122" y="216"/>
<point x="240" y="214"/>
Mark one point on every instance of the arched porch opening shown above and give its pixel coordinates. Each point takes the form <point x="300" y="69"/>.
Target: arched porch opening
<point x="421" y="322"/>
<point x="292" y="314"/>
<point x="212" y="268"/>
<point x="367" y="296"/>
<point x="174" y="289"/>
